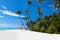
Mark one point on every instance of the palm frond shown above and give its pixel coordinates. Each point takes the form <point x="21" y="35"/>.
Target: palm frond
<point x="18" y="12"/>
<point x="29" y="2"/>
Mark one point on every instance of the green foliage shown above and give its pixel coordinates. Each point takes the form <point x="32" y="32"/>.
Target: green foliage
<point x="42" y="29"/>
<point x="50" y="24"/>
<point x="35" y="28"/>
<point x="51" y="29"/>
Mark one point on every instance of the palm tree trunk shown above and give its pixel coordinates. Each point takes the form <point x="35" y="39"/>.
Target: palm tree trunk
<point x="29" y="12"/>
<point x="22" y="22"/>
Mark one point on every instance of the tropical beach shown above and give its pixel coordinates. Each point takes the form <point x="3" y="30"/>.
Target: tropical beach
<point x="29" y="19"/>
<point x="27" y="35"/>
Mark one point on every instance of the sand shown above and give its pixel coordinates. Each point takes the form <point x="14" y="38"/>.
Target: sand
<point x="26" y="35"/>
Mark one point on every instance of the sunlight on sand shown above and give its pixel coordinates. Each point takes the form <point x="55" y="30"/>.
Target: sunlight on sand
<point x="26" y="35"/>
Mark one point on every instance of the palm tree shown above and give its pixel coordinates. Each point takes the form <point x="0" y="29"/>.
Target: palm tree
<point x="19" y="12"/>
<point x="29" y="4"/>
<point x="39" y="20"/>
<point x="27" y="15"/>
<point x="30" y="25"/>
<point x="39" y="12"/>
<point x="28" y="12"/>
<point x="39" y="8"/>
<point x="46" y="22"/>
<point x="57" y="4"/>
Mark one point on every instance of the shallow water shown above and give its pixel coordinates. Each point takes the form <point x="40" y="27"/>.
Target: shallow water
<point x="9" y="28"/>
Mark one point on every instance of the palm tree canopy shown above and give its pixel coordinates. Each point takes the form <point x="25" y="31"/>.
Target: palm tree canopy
<point x="39" y="11"/>
<point x="18" y="12"/>
<point x="40" y="1"/>
<point x="29" y="2"/>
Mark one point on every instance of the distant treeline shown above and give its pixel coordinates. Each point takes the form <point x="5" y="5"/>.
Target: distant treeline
<point x="49" y="24"/>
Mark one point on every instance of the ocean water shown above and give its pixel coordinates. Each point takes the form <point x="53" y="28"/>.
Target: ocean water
<point x="9" y="28"/>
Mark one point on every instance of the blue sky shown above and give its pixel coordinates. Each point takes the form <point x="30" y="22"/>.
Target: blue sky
<point x="8" y="9"/>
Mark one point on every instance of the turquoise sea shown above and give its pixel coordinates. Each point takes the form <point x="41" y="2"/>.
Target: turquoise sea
<point x="9" y="28"/>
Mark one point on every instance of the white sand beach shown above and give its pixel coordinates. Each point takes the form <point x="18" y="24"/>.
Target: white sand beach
<point x="26" y="35"/>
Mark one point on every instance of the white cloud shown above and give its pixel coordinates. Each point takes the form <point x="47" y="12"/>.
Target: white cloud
<point x="22" y="16"/>
<point x="4" y="7"/>
<point x="1" y="16"/>
<point x="9" y="13"/>
<point x="8" y="26"/>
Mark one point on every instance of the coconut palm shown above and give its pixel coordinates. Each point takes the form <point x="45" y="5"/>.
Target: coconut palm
<point x="19" y="12"/>
<point x="29" y="4"/>
<point x="39" y="8"/>
<point x="27" y="15"/>
<point x="39" y="20"/>
<point x="39" y="12"/>
<point x="30" y="25"/>
<point x="28" y="11"/>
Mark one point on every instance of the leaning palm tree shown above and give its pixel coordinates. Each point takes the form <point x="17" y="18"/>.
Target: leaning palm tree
<point x="39" y="21"/>
<point x="29" y="4"/>
<point x="28" y="11"/>
<point x="39" y="8"/>
<point x="39" y="12"/>
<point x="19" y="12"/>
<point x="27" y="15"/>
<point x="25" y="18"/>
<point x="30" y="25"/>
